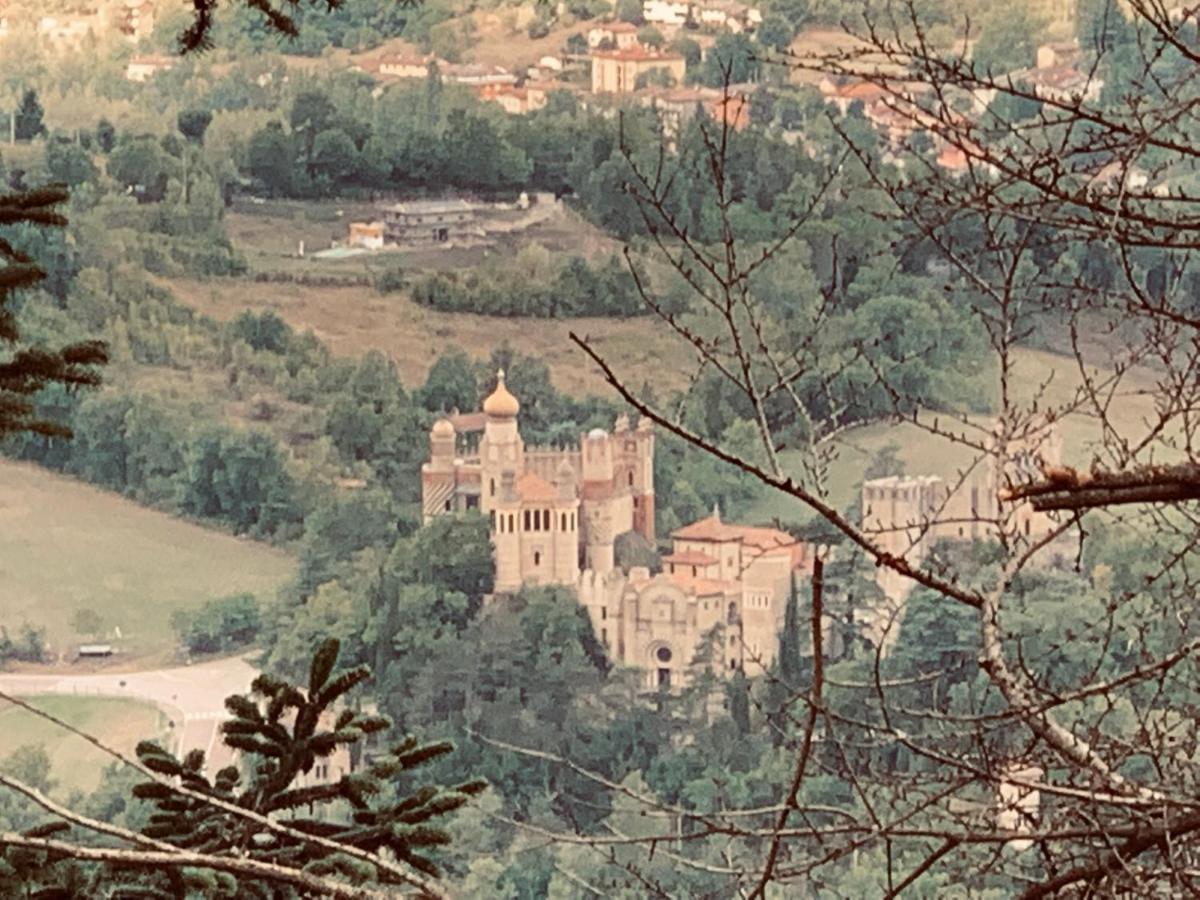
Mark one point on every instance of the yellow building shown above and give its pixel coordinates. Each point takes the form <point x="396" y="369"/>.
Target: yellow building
<point x="618" y="71"/>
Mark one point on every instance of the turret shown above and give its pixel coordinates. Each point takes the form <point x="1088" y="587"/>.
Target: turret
<point x="441" y="445"/>
<point x="597" y="457"/>
<point x="501" y="449"/>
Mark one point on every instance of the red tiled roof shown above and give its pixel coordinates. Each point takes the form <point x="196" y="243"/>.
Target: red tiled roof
<point x="713" y="529"/>
<point x="535" y="489"/>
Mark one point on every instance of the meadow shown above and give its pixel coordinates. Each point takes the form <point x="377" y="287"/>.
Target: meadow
<point x="74" y="763"/>
<point x="66" y="546"/>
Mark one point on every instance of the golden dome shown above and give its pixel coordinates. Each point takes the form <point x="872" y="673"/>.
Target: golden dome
<point x="443" y="428"/>
<point x="501" y="404"/>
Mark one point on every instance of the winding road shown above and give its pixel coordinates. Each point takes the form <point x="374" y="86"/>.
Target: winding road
<point x="192" y="696"/>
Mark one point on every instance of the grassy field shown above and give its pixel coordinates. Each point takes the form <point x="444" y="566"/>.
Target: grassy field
<point x="355" y="320"/>
<point x="74" y="763"/>
<point x="926" y="454"/>
<point x="65" y="546"/>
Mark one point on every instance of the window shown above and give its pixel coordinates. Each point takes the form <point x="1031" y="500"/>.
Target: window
<point x="493" y="516"/>
<point x="664" y="678"/>
<point x="693" y="571"/>
<point x="564" y="521"/>
<point x="663" y="654"/>
<point x="537" y="558"/>
<point x="603" y="613"/>
<point x="492" y="487"/>
<point x="447" y="505"/>
<point x="512" y="525"/>
<point x="604" y="636"/>
<point x="631" y="479"/>
<point x="527" y="526"/>
<point x="545" y="520"/>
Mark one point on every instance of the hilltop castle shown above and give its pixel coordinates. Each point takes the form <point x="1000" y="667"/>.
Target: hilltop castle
<point x="556" y="514"/>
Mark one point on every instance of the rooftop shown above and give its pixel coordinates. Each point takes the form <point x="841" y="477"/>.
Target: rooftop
<point x="535" y="489"/>
<point x="713" y="529"/>
<point x="429" y="207"/>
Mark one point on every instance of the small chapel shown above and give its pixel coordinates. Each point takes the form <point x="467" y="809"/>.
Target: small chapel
<point x="555" y="516"/>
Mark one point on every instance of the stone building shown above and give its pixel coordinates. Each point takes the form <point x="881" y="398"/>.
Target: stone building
<point x="428" y="221"/>
<point x="721" y="595"/>
<point x="554" y="511"/>
<point x="906" y="515"/>
<point x="618" y="71"/>
<point x="556" y="514"/>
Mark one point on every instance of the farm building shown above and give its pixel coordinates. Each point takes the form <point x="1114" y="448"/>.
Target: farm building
<point x="428" y="221"/>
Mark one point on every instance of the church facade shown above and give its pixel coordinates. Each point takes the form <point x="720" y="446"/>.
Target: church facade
<point x="555" y="516"/>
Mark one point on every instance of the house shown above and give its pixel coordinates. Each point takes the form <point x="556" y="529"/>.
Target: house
<point x="666" y="12"/>
<point x="618" y="71"/>
<point x="400" y="65"/>
<point x="1058" y="53"/>
<point x="473" y="74"/>
<point x="428" y="221"/>
<point x="136" y="19"/>
<point x="1061" y="83"/>
<point x="143" y="68"/>
<point x="613" y="36"/>
<point x="368" y="235"/>
<point x="728" y="15"/>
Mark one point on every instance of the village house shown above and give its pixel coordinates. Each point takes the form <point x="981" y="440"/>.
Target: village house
<point x="618" y="71"/>
<point x="367" y="235"/>
<point x="666" y="12"/>
<point x="613" y="36"/>
<point x="728" y="15"/>
<point x="428" y="221"/>
<point x="473" y="75"/>
<point x="143" y="68"/>
<point x="400" y="65"/>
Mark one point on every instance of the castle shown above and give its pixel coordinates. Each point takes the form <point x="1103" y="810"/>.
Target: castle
<point x="556" y="514"/>
<point x="906" y="515"/>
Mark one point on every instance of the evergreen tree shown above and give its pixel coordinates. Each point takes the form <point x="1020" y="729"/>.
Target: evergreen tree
<point x="29" y="124"/>
<point x="24" y="371"/>
<point x="285" y="732"/>
<point x="791" y="668"/>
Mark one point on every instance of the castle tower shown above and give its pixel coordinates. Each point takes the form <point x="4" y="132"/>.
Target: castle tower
<point x="643" y="479"/>
<point x="438" y="480"/>
<point x="598" y="499"/>
<point x="566" y="527"/>
<point x="501" y="449"/>
<point x="506" y="533"/>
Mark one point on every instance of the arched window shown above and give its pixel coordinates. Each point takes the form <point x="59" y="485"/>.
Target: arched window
<point x="527" y="525"/>
<point x="512" y="525"/>
<point x="564" y="521"/>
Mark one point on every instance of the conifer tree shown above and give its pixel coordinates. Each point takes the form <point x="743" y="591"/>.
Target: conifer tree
<point x="284" y="732"/>
<point x="25" y="370"/>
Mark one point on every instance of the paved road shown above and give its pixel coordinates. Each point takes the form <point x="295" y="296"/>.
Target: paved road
<point x="193" y="696"/>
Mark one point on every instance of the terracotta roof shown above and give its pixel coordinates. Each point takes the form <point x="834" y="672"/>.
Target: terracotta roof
<point x="690" y="558"/>
<point x="713" y="529"/>
<point x="535" y="489"/>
